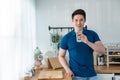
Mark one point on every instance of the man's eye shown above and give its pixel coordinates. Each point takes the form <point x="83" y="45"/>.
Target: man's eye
<point x="76" y="20"/>
<point x="81" y="20"/>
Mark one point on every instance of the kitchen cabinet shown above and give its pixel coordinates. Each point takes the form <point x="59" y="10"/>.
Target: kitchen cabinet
<point x="105" y="76"/>
<point x="117" y="77"/>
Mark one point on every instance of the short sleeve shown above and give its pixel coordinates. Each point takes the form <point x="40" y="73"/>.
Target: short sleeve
<point x="96" y="37"/>
<point x="63" y="43"/>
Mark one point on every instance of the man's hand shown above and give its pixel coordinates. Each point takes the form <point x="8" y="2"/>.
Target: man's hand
<point x="83" y="38"/>
<point x="69" y="73"/>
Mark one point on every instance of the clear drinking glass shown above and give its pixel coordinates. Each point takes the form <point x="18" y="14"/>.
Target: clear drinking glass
<point x="78" y="36"/>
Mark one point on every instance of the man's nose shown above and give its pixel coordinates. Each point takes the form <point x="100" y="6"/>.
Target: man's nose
<point x="78" y="22"/>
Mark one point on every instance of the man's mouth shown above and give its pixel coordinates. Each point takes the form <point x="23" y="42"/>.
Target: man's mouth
<point x="79" y="26"/>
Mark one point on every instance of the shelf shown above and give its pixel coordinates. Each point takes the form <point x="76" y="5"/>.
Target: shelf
<point x="114" y="55"/>
<point x="113" y="47"/>
<point x="114" y="62"/>
<point x="113" y="52"/>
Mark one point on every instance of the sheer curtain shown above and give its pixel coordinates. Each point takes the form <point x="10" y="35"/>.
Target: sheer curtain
<point x="17" y="38"/>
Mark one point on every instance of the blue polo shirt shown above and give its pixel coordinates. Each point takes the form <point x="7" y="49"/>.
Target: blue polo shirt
<point x="80" y="55"/>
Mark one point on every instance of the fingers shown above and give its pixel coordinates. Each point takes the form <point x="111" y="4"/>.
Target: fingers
<point x="83" y="38"/>
<point x="70" y="74"/>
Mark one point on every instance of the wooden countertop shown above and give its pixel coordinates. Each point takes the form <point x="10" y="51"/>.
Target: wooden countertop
<point x="37" y="74"/>
<point x="64" y="77"/>
<point x="99" y="69"/>
<point x="105" y="69"/>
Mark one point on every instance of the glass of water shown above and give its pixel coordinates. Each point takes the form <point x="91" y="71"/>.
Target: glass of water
<point x="78" y="36"/>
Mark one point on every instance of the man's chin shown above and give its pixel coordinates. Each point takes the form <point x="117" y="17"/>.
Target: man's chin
<point x="79" y="27"/>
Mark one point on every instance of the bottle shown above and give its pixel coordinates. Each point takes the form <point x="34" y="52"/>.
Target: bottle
<point x="37" y="52"/>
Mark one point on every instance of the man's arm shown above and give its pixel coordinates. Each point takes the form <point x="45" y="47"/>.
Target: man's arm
<point x="64" y="63"/>
<point x="97" y="46"/>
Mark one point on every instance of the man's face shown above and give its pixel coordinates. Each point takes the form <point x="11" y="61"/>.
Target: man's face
<point x="78" y="22"/>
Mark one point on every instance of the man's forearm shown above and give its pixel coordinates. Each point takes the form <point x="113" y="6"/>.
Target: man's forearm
<point x="64" y="63"/>
<point x="97" y="48"/>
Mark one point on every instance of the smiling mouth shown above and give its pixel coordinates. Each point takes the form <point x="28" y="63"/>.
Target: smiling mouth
<point x="79" y="26"/>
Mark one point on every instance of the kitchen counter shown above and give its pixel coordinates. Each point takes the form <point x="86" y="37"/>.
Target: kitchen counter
<point x="107" y="70"/>
<point x="36" y="78"/>
<point x="46" y="69"/>
<point x="99" y="70"/>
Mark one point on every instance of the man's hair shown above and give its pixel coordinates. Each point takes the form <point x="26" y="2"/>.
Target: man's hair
<point x="80" y="12"/>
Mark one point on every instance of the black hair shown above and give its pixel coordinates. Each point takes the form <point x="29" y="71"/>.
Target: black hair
<point x="80" y="12"/>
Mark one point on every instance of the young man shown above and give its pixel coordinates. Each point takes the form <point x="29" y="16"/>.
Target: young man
<point x="81" y="66"/>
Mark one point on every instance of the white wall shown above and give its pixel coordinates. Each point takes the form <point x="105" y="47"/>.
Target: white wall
<point x="102" y="16"/>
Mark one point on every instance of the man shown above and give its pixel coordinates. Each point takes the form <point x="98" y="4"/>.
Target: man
<point x="81" y="66"/>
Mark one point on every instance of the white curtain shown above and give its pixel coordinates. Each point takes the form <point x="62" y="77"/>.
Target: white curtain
<point x="17" y="38"/>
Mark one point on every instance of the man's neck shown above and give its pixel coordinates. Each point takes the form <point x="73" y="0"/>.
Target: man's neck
<point x="78" y="30"/>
